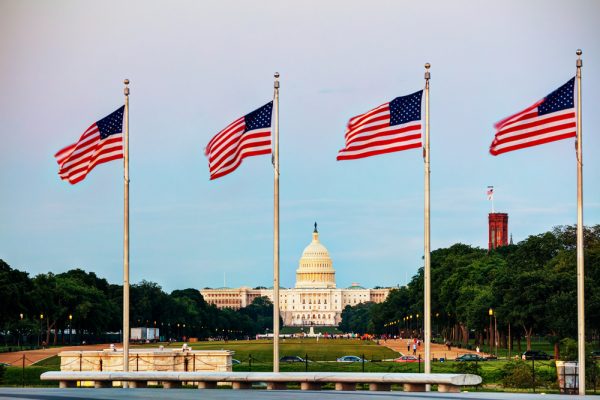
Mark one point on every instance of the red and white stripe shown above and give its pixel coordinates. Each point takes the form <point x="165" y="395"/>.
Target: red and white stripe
<point x="77" y="160"/>
<point x="228" y="148"/>
<point x="527" y="128"/>
<point x="370" y="134"/>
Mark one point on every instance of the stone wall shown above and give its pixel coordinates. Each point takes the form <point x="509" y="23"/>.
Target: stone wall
<point x="147" y="360"/>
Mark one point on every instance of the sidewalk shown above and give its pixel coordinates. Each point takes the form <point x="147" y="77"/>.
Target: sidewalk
<point x="437" y="350"/>
<point x="15" y="358"/>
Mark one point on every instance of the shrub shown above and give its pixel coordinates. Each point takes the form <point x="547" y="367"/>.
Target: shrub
<point x="517" y="374"/>
<point x="568" y="350"/>
<point x="467" y="368"/>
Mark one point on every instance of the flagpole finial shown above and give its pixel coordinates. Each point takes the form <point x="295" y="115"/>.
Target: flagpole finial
<point x="126" y="90"/>
<point x="579" y="52"/>
<point x="427" y="74"/>
<point x="276" y="84"/>
<point x="427" y="65"/>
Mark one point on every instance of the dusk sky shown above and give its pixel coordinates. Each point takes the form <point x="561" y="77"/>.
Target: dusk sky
<point x="195" y="66"/>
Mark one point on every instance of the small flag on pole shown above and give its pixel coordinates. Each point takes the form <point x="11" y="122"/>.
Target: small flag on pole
<point x="100" y="143"/>
<point x="393" y="126"/>
<point x="550" y="119"/>
<point x="490" y="193"/>
<point x="247" y="136"/>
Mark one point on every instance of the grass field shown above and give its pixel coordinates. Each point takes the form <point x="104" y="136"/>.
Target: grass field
<point x="321" y="350"/>
<point x="256" y="355"/>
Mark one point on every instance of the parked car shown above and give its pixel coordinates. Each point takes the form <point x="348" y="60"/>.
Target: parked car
<point x="291" y="359"/>
<point x="235" y="362"/>
<point x="469" y="357"/>
<point x="406" y="359"/>
<point x="536" y="355"/>
<point x="350" y="359"/>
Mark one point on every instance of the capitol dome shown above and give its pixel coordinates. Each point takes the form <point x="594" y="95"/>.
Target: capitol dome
<point x="315" y="267"/>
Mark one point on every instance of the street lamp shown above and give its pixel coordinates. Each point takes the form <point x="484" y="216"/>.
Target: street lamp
<point x="490" y="313"/>
<point x="19" y="330"/>
<point x="437" y="323"/>
<point x="70" y="331"/>
<point x="40" y="335"/>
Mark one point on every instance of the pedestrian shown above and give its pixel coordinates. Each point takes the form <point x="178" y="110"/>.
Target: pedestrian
<point x="414" y="349"/>
<point x="408" y="346"/>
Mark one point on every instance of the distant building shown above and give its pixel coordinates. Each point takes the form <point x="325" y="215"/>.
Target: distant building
<point x="314" y="300"/>
<point x="498" y="230"/>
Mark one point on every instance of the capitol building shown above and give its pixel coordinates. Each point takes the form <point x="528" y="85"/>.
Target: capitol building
<point x="315" y="300"/>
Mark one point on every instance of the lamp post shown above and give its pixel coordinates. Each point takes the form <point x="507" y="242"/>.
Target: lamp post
<point x="19" y="330"/>
<point x="490" y="313"/>
<point x="40" y="335"/>
<point x="437" y="323"/>
<point x="70" y="330"/>
<point x="496" y="335"/>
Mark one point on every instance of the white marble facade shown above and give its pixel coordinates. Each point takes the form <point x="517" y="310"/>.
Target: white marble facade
<point x="314" y="300"/>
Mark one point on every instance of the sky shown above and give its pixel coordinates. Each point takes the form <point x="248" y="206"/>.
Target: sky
<point x="195" y="66"/>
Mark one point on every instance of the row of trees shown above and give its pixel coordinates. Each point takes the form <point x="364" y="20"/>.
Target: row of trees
<point x="47" y="306"/>
<point x="528" y="288"/>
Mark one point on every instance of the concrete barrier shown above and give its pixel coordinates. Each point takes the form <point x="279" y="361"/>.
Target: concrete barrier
<point x="275" y="381"/>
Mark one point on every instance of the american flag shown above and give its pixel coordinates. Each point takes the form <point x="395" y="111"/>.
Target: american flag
<point x="550" y="119"/>
<point x="100" y="143"/>
<point x="247" y="136"/>
<point x="392" y="126"/>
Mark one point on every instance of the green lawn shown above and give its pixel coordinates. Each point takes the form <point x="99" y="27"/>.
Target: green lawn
<point x="321" y="350"/>
<point x="256" y="355"/>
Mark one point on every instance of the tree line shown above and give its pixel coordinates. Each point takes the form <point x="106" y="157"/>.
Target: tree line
<point x="77" y="306"/>
<point x="527" y="289"/>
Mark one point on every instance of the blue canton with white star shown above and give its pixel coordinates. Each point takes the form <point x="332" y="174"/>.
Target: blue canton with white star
<point x="259" y="118"/>
<point x="561" y="99"/>
<point x="406" y="108"/>
<point x="111" y="124"/>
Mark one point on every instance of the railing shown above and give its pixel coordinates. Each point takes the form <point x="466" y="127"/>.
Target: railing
<point x="274" y="381"/>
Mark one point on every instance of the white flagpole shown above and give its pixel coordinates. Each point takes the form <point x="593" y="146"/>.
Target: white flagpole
<point x="427" y="268"/>
<point x="276" y="226"/>
<point x="580" y="248"/>
<point x="126" y="235"/>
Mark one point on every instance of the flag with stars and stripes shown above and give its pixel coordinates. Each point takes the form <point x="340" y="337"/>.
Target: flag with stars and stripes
<point x="100" y="143"/>
<point x="393" y="126"/>
<point x="550" y="119"/>
<point x="247" y="136"/>
<point x="490" y="193"/>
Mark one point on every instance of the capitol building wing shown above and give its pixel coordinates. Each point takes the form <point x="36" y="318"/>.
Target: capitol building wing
<point x="315" y="300"/>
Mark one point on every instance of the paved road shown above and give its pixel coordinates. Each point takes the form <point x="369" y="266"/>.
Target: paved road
<point x="226" y="394"/>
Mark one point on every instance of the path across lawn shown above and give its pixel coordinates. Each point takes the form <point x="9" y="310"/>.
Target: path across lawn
<point x="437" y="350"/>
<point x="15" y="358"/>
